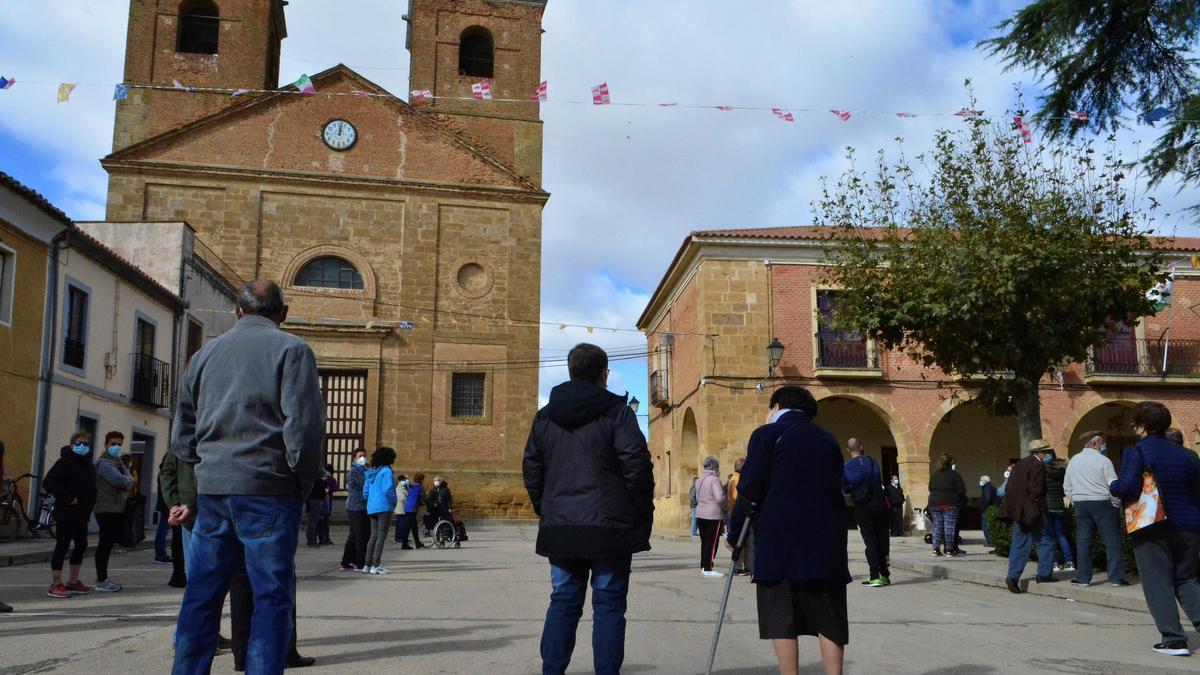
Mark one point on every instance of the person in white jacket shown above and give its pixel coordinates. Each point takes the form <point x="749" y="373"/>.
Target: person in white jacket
<point x="1086" y="484"/>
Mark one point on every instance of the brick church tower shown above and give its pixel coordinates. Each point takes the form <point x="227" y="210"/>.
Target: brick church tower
<point x="407" y="238"/>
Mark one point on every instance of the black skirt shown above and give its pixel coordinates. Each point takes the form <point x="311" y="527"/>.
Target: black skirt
<point x="788" y="609"/>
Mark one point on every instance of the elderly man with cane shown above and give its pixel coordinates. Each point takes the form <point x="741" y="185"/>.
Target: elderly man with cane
<point x="793" y="479"/>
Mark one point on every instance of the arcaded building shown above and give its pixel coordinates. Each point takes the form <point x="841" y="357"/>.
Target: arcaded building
<point x="407" y="237"/>
<point x="728" y="294"/>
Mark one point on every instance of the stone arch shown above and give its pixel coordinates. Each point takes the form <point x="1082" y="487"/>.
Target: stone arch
<point x="689" y="448"/>
<point x="476" y="53"/>
<point x="333" y="250"/>
<point x="1110" y="413"/>
<point x="899" y="428"/>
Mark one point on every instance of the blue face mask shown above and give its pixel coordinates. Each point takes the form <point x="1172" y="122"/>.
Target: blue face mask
<point x="1048" y="458"/>
<point x="1103" y="449"/>
<point x="81" y="449"/>
<point x="114" y="450"/>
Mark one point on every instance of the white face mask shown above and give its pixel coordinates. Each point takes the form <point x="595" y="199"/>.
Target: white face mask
<point x="1006" y="473"/>
<point x="981" y="483"/>
<point x="895" y="483"/>
<point x="954" y="467"/>
<point x="437" y="483"/>
<point x="361" y="461"/>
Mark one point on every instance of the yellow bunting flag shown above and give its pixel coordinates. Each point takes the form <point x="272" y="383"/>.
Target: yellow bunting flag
<point x="590" y="330"/>
<point x="64" y="91"/>
<point x="1196" y="262"/>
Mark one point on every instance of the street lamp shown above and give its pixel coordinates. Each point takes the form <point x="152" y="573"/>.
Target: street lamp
<point x="774" y="356"/>
<point x="633" y="405"/>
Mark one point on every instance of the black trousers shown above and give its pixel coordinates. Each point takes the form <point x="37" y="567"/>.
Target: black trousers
<point x="178" y="568"/>
<point x="355" y="552"/>
<point x="413" y="526"/>
<point x="110" y="529"/>
<point x="66" y="534"/>
<point x="710" y="535"/>
<point x="873" y="523"/>
<point x="897" y="521"/>
<point x="241" y="608"/>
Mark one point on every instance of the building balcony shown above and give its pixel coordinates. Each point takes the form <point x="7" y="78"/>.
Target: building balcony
<point x="659" y="395"/>
<point x="839" y="357"/>
<point x="1140" y="361"/>
<point x="151" y="381"/>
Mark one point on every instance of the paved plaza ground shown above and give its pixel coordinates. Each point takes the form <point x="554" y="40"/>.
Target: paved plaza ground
<point x="479" y="610"/>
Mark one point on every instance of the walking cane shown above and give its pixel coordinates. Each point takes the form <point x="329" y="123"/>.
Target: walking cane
<point x="737" y="552"/>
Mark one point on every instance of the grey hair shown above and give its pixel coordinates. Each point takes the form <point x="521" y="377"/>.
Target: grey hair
<point x="261" y="297"/>
<point x="737" y="466"/>
<point x="711" y="462"/>
<point x="1175" y="435"/>
<point x="853" y="445"/>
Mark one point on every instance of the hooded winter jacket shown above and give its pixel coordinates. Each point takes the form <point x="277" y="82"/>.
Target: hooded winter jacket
<point x="379" y="489"/>
<point x="112" y="485"/>
<point x="589" y="475"/>
<point x="414" y="498"/>
<point x="72" y="479"/>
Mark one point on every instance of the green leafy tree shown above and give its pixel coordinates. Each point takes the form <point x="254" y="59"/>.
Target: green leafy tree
<point x="990" y="259"/>
<point x="1114" y="60"/>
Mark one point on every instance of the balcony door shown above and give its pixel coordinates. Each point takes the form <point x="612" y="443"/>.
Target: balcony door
<point x="837" y="348"/>
<point x="1120" y="354"/>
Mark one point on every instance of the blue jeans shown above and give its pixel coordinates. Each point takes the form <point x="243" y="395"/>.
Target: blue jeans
<point x="1103" y="516"/>
<point x="610" y="586"/>
<point x="1056" y="521"/>
<point x="260" y="533"/>
<point x="695" y="524"/>
<point x="1023" y="539"/>
<point x="160" y="538"/>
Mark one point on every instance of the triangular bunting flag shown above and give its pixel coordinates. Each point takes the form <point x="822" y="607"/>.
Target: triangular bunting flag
<point x="120" y="92"/>
<point x="64" y="91"/>
<point x="1078" y="115"/>
<point x="785" y="115"/>
<point x="6" y="83"/>
<point x="305" y="85"/>
<point x="542" y="92"/>
<point x="843" y="115"/>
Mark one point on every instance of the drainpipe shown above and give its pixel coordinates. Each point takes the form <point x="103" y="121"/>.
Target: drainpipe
<point x="49" y="331"/>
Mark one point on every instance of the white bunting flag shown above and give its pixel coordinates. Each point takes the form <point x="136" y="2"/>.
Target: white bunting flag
<point x="1078" y="115"/>
<point x="1023" y="128"/>
<point x="421" y="94"/>
<point x="542" y="92"/>
<point x="965" y="112"/>
<point x="600" y="94"/>
<point x="482" y="91"/>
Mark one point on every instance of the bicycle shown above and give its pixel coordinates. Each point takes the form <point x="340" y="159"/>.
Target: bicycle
<point x="13" y="518"/>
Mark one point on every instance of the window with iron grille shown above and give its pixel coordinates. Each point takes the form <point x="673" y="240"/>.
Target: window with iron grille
<point x="330" y="272"/>
<point x="467" y="394"/>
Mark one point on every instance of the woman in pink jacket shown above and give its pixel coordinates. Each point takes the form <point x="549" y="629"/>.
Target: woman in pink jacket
<point x="710" y="513"/>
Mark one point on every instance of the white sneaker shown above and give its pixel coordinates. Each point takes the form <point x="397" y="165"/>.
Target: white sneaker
<point x="381" y="570"/>
<point x="108" y="586"/>
<point x="1069" y="567"/>
<point x="367" y="569"/>
<point x="712" y="573"/>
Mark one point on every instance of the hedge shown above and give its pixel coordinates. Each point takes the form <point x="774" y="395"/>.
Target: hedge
<point x="1001" y="532"/>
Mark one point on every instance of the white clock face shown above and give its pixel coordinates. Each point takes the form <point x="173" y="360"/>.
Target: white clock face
<point x="340" y="135"/>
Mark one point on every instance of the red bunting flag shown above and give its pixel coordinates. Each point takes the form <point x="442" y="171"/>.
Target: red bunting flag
<point x="968" y="113"/>
<point x="482" y="91"/>
<point x="724" y="108"/>
<point x="1078" y="115"/>
<point x="600" y="95"/>
<point x="542" y="92"/>
<point x="785" y="115"/>
<point x="418" y="94"/>
<point x="1023" y="128"/>
<point x="843" y="115"/>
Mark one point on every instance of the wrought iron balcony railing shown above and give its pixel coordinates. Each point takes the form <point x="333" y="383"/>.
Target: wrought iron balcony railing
<point x="151" y="381"/>
<point x="844" y="353"/>
<point x="1145" y="358"/>
<point x="659" y="395"/>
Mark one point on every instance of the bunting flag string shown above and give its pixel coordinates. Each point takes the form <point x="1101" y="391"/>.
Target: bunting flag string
<point x="601" y="95"/>
<point x="1022" y="127"/>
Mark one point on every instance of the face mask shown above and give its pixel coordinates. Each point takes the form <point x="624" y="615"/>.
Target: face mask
<point x="1103" y="448"/>
<point x="361" y="461"/>
<point x="437" y="483"/>
<point x="1048" y="458"/>
<point x="81" y="449"/>
<point x="980" y="483"/>
<point x="114" y="450"/>
<point x="954" y="467"/>
<point x="1006" y="473"/>
<point x="895" y="483"/>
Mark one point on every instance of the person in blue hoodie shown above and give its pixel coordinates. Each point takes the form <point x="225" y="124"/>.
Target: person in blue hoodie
<point x="379" y="489"/>
<point x="412" y="504"/>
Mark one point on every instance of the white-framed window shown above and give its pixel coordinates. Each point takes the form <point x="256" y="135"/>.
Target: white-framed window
<point x="8" y="277"/>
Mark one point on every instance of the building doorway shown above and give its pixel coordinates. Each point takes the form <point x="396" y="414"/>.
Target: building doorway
<point x="982" y="445"/>
<point x="345" y="396"/>
<point x="848" y="417"/>
<point x="1115" y="420"/>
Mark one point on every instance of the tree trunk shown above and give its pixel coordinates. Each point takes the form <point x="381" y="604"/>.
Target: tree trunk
<point x="1029" y="413"/>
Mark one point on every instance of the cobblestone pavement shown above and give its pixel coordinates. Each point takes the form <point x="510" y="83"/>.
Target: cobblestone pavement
<point x="479" y="610"/>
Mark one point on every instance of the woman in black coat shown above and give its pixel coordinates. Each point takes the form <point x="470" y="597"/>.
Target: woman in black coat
<point x="947" y="495"/>
<point x="72" y="481"/>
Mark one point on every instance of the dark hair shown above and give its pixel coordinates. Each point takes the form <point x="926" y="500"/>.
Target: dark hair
<point x="587" y="362"/>
<point x="1153" y="417"/>
<point x="261" y="298"/>
<point x="402" y="477"/>
<point x="795" y="398"/>
<point x="1174" y="435"/>
<point x="328" y="467"/>
<point x="418" y="477"/>
<point x="359" y="451"/>
<point x="80" y="435"/>
<point x="113" y="434"/>
<point x="945" y="461"/>
<point x="383" y="457"/>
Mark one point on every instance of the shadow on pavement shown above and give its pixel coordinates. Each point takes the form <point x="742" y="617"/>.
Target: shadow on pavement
<point x="423" y="649"/>
<point x="394" y="635"/>
<point x="963" y="669"/>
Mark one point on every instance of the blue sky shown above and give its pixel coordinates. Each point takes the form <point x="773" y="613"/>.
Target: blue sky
<point x="627" y="183"/>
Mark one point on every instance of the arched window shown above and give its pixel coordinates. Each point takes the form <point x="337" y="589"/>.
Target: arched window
<point x="329" y="272"/>
<point x="199" y="27"/>
<point x="476" y="53"/>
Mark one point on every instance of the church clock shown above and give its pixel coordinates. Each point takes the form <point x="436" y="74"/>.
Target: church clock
<point x="339" y="135"/>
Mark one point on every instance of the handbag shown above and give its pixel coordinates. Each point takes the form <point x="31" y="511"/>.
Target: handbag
<point x="1148" y="510"/>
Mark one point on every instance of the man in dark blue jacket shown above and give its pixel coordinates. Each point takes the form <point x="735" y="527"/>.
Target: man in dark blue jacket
<point x="793" y="477"/>
<point x="589" y="475"/>
<point x="863" y="481"/>
<point x="1166" y="552"/>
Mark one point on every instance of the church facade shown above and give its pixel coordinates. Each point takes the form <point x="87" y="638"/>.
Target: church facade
<point x="407" y="237"/>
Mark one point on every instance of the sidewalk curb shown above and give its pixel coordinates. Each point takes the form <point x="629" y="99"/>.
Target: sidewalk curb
<point x="42" y="554"/>
<point x="1062" y="590"/>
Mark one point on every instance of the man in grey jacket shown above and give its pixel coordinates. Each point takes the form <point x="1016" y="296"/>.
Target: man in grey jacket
<point x="251" y="419"/>
<point x="1086" y="484"/>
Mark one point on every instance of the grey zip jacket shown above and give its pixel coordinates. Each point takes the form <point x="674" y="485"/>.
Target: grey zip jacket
<point x="250" y="415"/>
